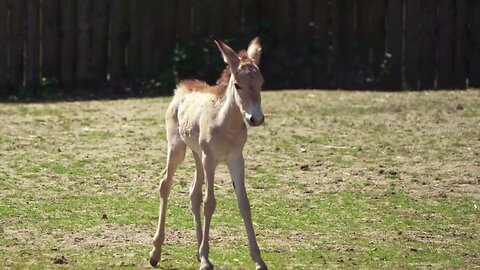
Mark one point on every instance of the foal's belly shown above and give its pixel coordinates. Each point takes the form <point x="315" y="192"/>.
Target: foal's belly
<point x="221" y="145"/>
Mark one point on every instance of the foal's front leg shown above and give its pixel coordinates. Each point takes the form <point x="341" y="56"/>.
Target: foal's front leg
<point x="236" y="167"/>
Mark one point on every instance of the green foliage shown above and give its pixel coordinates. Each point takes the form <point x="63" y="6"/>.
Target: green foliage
<point x="197" y="58"/>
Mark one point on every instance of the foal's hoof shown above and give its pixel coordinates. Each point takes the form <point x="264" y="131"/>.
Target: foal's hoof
<point x="206" y="265"/>
<point x="154" y="258"/>
<point x="153" y="262"/>
<point x="261" y="267"/>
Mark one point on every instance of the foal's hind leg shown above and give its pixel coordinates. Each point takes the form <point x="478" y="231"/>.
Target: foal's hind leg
<point x="209" y="203"/>
<point x="176" y="153"/>
<point x="196" y="199"/>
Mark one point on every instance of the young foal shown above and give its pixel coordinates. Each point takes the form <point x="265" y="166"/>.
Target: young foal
<point x="209" y="120"/>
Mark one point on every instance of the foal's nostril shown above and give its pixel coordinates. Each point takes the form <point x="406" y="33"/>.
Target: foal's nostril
<point x="256" y="122"/>
<point x="249" y="119"/>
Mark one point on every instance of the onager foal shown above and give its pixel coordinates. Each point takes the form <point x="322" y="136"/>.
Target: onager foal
<point x="209" y="120"/>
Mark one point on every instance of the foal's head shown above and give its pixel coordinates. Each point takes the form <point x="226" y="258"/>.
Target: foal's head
<point x="246" y="80"/>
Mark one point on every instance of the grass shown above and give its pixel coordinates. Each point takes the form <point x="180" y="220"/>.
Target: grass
<point x="362" y="180"/>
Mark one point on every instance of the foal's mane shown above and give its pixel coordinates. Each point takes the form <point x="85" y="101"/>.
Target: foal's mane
<point x="222" y="82"/>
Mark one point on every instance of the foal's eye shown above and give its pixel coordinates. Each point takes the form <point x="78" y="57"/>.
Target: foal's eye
<point x="237" y="86"/>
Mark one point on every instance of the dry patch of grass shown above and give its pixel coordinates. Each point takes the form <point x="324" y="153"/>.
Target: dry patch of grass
<point x="336" y="179"/>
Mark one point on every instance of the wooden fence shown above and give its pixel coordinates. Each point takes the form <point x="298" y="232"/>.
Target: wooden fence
<point x="150" y="44"/>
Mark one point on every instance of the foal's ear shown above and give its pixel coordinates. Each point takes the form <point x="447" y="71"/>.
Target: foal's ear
<point x="229" y="56"/>
<point x="254" y="50"/>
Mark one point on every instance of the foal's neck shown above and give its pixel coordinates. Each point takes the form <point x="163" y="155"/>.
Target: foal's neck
<point x="229" y="113"/>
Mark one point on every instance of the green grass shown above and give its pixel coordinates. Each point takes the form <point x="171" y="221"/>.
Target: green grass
<point x="354" y="180"/>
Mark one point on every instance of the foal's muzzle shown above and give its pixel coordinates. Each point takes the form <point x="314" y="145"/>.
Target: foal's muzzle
<point x="253" y="121"/>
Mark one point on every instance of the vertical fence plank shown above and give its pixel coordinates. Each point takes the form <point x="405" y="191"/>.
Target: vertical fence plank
<point x="159" y="59"/>
<point x="336" y="11"/>
<point x="17" y="35"/>
<point x="320" y="70"/>
<point x="83" y="43"/>
<point x="3" y="44"/>
<point x="199" y="20"/>
<point x="234" y="20"/>
<point x="427" y="76"/>
<point x="99" y="41"/>
<point x="251" y="17"/>
<point x="168" y="11"/>
<point x="135" y="41"/>
<point x="347" y="60"/>
<point x="394" y="23"/>
<point x="371" y="39"/>
<point x="283" y="11"/>
<point x="67" y="43"/>
<point x="218" y="18"/>
<point x="412" y="62"/>
<point x="474" y="40"/>
<point x="51" y="40"/>
<point x="275" y="68"/>
<point x="33" y="44"/>
<point x="183" y="19"/>
<point x="148" y="28"/>
<point x="303" y="41"/>
<point x="303" y="18"/>
<point x="118" y="41"/>
<point x="168" y="41"/>
<point x="461" y="46"/>
<point x="446" y="41"/>
<point x="350" y="65"/>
